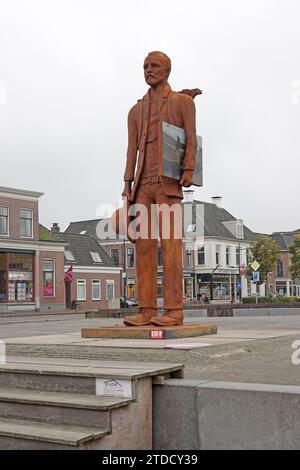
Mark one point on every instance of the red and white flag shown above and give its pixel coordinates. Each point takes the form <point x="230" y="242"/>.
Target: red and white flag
<point x="69" y="274"/>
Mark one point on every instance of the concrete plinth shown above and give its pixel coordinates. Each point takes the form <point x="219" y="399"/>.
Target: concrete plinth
<point x="149" y="332"/>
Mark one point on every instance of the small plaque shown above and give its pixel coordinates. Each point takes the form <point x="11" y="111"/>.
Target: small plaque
<point x="157" y="334"/>
<point x="114" y="388"/>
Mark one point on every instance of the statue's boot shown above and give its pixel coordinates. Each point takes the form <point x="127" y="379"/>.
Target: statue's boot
<point x="143" y="318"/>
<point x="169" y="318"/>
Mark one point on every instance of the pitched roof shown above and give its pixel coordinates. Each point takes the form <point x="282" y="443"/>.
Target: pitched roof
<point x="284" y="239"/>
<point x="46" y="235"/>
<point x="81" y="246"/>
<point x="89" y="227"/>
<point x="213" y="226"/>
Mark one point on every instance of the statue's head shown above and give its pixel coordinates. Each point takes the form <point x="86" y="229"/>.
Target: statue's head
<point x="157" y="68"/>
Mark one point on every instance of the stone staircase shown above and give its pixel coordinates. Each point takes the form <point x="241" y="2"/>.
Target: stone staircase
<point x="59" y="403"/>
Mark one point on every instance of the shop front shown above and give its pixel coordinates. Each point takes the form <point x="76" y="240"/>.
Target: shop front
<point x="17" y="277"/>
<point x="218" y="287"/>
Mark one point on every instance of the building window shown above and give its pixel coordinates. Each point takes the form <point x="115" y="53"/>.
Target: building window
<point x="48" y="277"/>
<point x="238" y="256"/>
<point x="3" y="277"/>
<point x="3" y="220"/>
<point x="279" y="268"/>
<point x="95" y="257"/>
<point x="81" y="289"/>
<point x="114" y="254"/>
<point x="110" y="290"/>
<point x="20" y="277"/>
<point x="201" y="255"/>
<point x="26" y="223"/>
<point x="240" y="231"/>
<point x="227" y="255"/>
<point x="188" y="257"/>
<point x="96" y="289"/>
<point x="69" y="255"/>
<point x="159" y="257"/>
<point x="218" y="254"/>
<point x="130" y="257"/>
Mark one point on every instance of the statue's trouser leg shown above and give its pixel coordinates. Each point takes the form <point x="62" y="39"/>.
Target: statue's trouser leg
<point x="171" y="242"/>
<point x="146" y="254"/>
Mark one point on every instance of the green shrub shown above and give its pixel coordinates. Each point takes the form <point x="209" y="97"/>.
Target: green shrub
<point x="283" y="299"/>
<point x="248" y="300"/>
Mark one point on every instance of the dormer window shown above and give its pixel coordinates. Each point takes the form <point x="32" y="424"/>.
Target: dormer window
<point x="239" y="230"/>
<point x="96" y="257"/>
<point x="69" y="255"/>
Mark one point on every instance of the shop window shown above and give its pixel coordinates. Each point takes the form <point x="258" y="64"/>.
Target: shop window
<point x="26" y="223"/>
<point x="48" y="277"/>
<point x="96" y="289"/>
<point x="3" y="277"/>
<point x="81" y="289"/>
<point x="188" y="287"/>
<point x="3" y="220"/>
<point x="20" y="277"/>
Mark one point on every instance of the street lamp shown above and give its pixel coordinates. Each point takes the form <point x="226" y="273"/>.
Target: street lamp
<point x="124" y="273"/>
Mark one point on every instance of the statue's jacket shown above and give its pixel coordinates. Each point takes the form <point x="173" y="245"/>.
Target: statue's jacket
<point x="174" y="108"/>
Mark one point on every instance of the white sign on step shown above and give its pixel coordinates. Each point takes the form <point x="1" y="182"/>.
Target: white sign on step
<point x="114" y="388"/>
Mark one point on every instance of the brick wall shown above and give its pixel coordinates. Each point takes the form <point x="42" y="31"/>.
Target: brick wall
<point x="14" y="206"/>
<point x="59" y="297"/>
<point x="89" y="277"/>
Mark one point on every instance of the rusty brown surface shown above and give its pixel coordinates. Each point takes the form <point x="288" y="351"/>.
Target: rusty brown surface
<point x="143" y="185"/>
<point x="144" y="332"/>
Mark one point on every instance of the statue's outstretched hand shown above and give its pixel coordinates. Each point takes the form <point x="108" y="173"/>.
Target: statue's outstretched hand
<point x="127" y="190"/>
<point x="187" y="178"/>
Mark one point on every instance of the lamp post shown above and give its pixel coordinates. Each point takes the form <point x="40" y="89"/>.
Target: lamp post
<point x="124" y="272"/>
<point x="211" y="281"/>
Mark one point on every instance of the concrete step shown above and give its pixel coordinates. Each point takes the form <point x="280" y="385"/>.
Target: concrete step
<point x="59" y="408"/>
<point x="17" y="434"/>
<point x="75" y="375"/>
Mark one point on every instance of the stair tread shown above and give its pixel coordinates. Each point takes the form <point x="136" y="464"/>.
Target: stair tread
<point x="70" y="400"/>
<point x="60" y="434"/>
<point x="86" y="368"/>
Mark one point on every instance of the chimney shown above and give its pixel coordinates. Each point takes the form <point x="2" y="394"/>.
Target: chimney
<point x="217" y="200"/>
<point x="188" y="195"/>
<point x="55" y="228"/>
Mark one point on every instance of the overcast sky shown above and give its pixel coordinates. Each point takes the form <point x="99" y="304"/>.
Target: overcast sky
<point x="71" y="69"/>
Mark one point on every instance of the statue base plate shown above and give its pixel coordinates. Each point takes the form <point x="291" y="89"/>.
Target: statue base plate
<point x="149" y="332"/>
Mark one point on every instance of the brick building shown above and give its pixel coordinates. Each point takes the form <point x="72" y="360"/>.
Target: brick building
<point x="96" y="279"/>
<point x="212" y="261"/>
<point x="280" y="282"/>
<point x="31" y="259"/>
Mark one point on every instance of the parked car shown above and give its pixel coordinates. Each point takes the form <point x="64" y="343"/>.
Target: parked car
<point x="129" y="303"/>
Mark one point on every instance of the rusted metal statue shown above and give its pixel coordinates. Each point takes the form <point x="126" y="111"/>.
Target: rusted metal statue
<point x="148" y="188"/>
